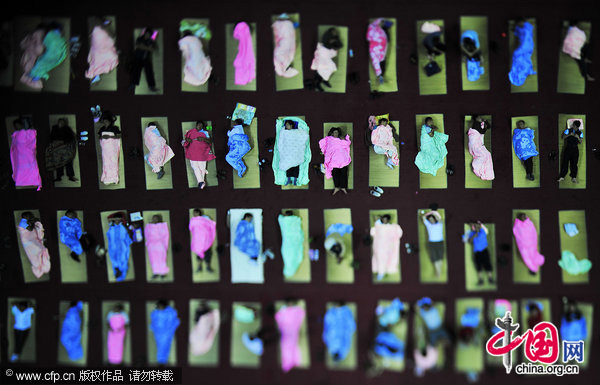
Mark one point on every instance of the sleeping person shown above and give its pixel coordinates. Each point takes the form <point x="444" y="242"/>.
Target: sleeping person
<point x="202" y="233"/>
<point x="156" y="235"/>
<point x="386" y="247"/>
<point x="103" y="57"/>
<point x="526" y="237"/>
<point x="52" y="53"/>
<point x="238" y="147"/>
<point x="378" y="38"/>
<point x="576" y="46"/>
<point x="522" y="67"/>
<point x="23" y="154"/>
<point x="197" y="144"/>
<point x="524" y="145"/>
<point x="323" y="62"/>
<point x="163" y="324"/>
<point x="204" y="331"/>
<point x="382" y="138"/>
<point x="433" y="148"/>
<point x="292" y="242"/>
<point x="337" y="158"/>
<point x="62" y="150"/>
<point x="159" y="151"/>
<point x="289" y="322"/>
<point x="245" y="238"/>
<point x="339" y="327"/>
<point x="70" y="334"/>
<point x="573" y="323"/>
<point x="292" y="154"/>
<point x="70" y="231"/>
<point x="31" y="234"/>
<point x="119" y="242"/>
<point x="469" y="45"/>
<point x="197" y="68"/>
<point x="118" y="323"/>
<point x="284" y="35"/>
<point x="110" y="145"/>
<point x="245" y="60"/>
<point x="482" y="163"/>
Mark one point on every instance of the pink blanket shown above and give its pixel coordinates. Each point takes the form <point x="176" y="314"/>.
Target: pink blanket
<point x="336" y="152"/>
<point x="37" y="253"/>
<point x="32" y="46"/>
<point x="116" y="338"/>
<point x="203" y="333"/>
<point x="23" y="158"/>
<point x="289" y="320"/>
<point x="160" y="152"/>
<point x="157" y="245"/>
<point x="482" y="159"/>
<point x="386" y="248"/>
<point x="285" y="48"/>
<point x="323" y="61"/>
<point x="197" y="65"/>
<point x="203" y="232"/>
<point x="110" y="159"/>
<point x="103" y="56"/>
<point x="527" y="242"/>
<point x="573" y="42"/>
<point x="245" y="62"/>
<point x="383" y="137"/>
<point x="377" y="45"/>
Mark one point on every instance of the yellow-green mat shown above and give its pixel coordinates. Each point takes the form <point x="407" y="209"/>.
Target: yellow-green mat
<point x="113" y="186"/>
<point x="239" y="356"/>
<point x="204" y="275"/>
<point x="440" y="180"/>
<point x="211" y="357"/>
<point x="231" y="51"/>
<point x="390" y="81"/>
<point x="157" y="66"/>
<point x="426" y="270"/>
<point x="471" y="277"/>
<point x="147" y="215"/>
<point x="28" y="354"/>
<point x="186" y="87"/>
<point x="303" y="273"/>
<point x="469" y="358"/>
<point x="9" y="131"/>
<point x="400" y="330"/>
<point x="349" y="363"/>
<point x="65" y="182"/>
<point x="296" y="82"/>
<point x="28" y="276"/>
<point x="418" y="323"/>
<point x="251" y="178"/>
<point x="303" y="336"/>
<point x="379" y="173"/>
<point x="581" y="164"/>
<point x="211" y="166"/>
<point x="342" y="272"/>
<point x="570" y="80"/>
<point x="472" y="180"/>
<point x="338" y="78"/>
<point x="107" y="82"/>
<point x="166" y="182"/>
<point x="60" y="76"/>
<point x="435" y="84"/>
<point x="7" y="75"/>
<point x="106" y="308"/>
<point x="291" y="186"/>
<point x="531" y="84"/>
<point x="520" y="270"/>
<point x="109" y="270"/>
<point x="70" y="270"/>
<point x="577" y="245"/>
<point x="519" y="174"/>
<point x="63" y="357"/>
<point x="347" y="129"/>
<point x="491" y="321"/>
<point x="151" y="343"/>
<point x="478" y="24"/>
<point x="374" y="215"/>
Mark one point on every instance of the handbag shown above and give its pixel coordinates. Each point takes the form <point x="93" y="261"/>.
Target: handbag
<point x="432" y="68"/>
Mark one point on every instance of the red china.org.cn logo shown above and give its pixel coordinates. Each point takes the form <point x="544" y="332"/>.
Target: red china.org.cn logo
<point x="540" y="344"/>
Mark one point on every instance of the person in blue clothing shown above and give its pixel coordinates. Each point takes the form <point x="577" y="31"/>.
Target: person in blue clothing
<point x="573" y="324"/>
<point x="481" y="254"/>
<point x="436" y="332"/>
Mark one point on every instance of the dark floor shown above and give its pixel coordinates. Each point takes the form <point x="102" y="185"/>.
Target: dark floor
<point x="489" y="205"/>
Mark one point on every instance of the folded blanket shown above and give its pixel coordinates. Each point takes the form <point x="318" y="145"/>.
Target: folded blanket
<point x="523" y="143"/>
<point x="23" y="158"/>
<point x="197" y="68"/>
<point x="103" y="56"/>
<point x="432" y="153"/>
<point x="202" y="335"/>
<point x="160" y="152"/>
<point x="289" y="321"/>
<point x="156" y="236"/>
<point x="70" y="334"/>
<point x="70" y="231"/>
<point x="573" y="42"/>
<point x="522" y="66"/>
<point x="203" y="231"/>
<point x="292" y="148"/>
<point x="482" y="158"/>
<point x="245" y="61"/>
<point x="526" y="238"/>
<point x="285" y="48"/>
<point x="569" y="262"/>
<point x="163" y="324"/>
<point x="292" y="243"/>
<point x="388" y="345"/>
<point x="386" y="248"/>
<point x="323" y="61"/>
<point x="338" y="328"/>
<point x="336" y="152"/>
<point x="383" y="137"/>
<point x="378" y="43"/>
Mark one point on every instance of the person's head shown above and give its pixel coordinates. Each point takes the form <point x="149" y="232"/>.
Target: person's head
<point x="521" y="124"/>
<point x="386" y="218"/>
<point x="437" y="43"/>
<point x="71" y="214"/>
<point x="54" y="26"/>
<point x="576" y="124"/>
<point x="468" y="43"/>
<point x="248" y="217"/>
<point x="157" y="218"/>
<point x="22" y="305"/>
<point x="573" y="23"/>
<point x="428" y="121"/>
<point x="147" y="34"/>
<point x="28" y="215"/>
<point x="331" y="39"/>
<point x="522" y="216"/>
<point x="18" y="124"/>
<point x="288" y="213"/>
<point x="197" y="212"/>
<point x="476" y="225"/>
<point x="118" y="308"/>
<point x="289" y="125"/>
<point x="534" y="309"/>
<point x="382" y="122"/>
<point x="162" y="304"/>
<point x="73" y="303"/>
<point x="336" y="249"/>
<point x="200" y="125"/>
<point x="62" y="122"/>
<point x="432" y="219"/>
<point x="152" y="124"/>
<point x="186" y="33"/>
<point x="107" y="119"/>
<point x="238" y="122"/>
<point x="336" y="132"/>
<point x="520" y="21"/>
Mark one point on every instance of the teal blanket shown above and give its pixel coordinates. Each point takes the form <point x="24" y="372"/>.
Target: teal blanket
<point x="55" y="53"/>
<point x="280" y="175"/>
<point x="433" y="151"/>
<point x="292" y="243"/>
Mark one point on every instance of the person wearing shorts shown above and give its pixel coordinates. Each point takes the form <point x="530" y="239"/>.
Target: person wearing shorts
<point x="435" y="245"/>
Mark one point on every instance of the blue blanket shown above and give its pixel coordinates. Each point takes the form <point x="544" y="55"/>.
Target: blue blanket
<point x="338" y="329"/>
<point x="245" y="239"/>
<point x="163" y="324"/>
<point x="389" y="345"/>
<point x="523" y="143"/>
<point x="522" y="66"/>
<point x="119" y="250"/>
<point x="238" y="147"/>
<point x="391" y="314"/>
<point x="70" y="232"/>
<point x="471" y="318"/>
<point x="474" y="68"/>
<point x="575" y="330"/>
<point x="70" y="334"/>
<point x="339" y="228"/>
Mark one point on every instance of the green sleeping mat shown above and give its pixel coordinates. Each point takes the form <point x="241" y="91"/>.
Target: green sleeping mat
<point x="239" y="355"/>
<point x="9" y="131"/>
<point x="186" y="87"/>
<point x="109" y="270"/>
<point x="581" y="164"/>
<point x="469" y="358"/>
<point x="379" y="173"/>
<point x="28" y="276"/>
<point x="157" y="66"/>
<point x="251" y="178"/>
<point x="231" y="51"/>
<point x="303" y="273"/>
<point x="28" y="354"/>
<point x="400" y="329"/>
<point x="418" y="323"/>
<point x="570" y="80"/>
<point x="147" y="215"/>
<point x="114" y="186"/>
<point x="63" y="357"/>
<point x="338" y="78"/>
<point x="204" y="275"/>
<point x="303" y="336"/>
<point x="211" y="357"/>
<point x="471" y="277"/>
<point x="107" y="82"/>
<point x="107" y="306"/>
<point x="65" y="182"/>
<point x="347" y="129"/>
<point x="578" y="244"/>
<point x="350" y="362"/>
<point x="151" y="343"/>
<point x="211" y="166"/>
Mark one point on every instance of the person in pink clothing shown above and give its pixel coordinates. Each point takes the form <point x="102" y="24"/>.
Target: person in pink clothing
<point x="289" y="321"/>
<point x="337" y="158"/>
<point x="323" y="62"/>
<point x="245" y="60"/>
<point x="118" y="323"/>
<point x="197" y="68"/>
<point x="284" y="34"/>
<point x="482" y="163"/>
<point x="23" y="151"/>
<point x="202" y="233"/>
<point x="110" y="144"/>
<point x="33" y="47"/>
<point x="378" y="37"/>
<point x="576" y="45"/>
<point x="382" y="138"/>
<point x="159" y="151"/>
<point x="197" y="144"/>
<point x="103" y="56"/>
<point x="526" y="237"/>
<point x="386" y="247"/>
<point x="203" y="333"/>
<point x="156" y="235"/>
<point x="31" y="234"/>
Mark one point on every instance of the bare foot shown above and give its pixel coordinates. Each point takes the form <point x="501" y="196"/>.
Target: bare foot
<point x="344" y="191"/>
<point x="589" y="78"/>
<point x="335" y="191"/>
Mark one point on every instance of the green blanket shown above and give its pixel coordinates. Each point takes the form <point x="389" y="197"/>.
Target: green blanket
<point x="54" y="54"/>
<point x="280" y="175"/>
<point x="432" y="153"/>
<point x="292" y="243"/>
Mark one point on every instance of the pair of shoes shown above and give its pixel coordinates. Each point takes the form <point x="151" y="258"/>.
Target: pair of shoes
<point x="345" y="191"/>
<point x="58" y="179"/>
<point x="530" y="177"/>
<point x="375" y="193"/>
<point x="378" y="189"/>
<point x="574" y="180"/>
<point x="209" y="269"/>
<point x="73" y="179"/>
<point x="160" y="174"/>
<point x="254" y="345"/>
<point x="153" y="89"/>
<point x="154" y="276"/>
<point x="199" y="269"/>
<point x="479" y="282"/>
<point x="560" y="179"/>
<point x="491" y="281"/>
<point x="201" y="185"/>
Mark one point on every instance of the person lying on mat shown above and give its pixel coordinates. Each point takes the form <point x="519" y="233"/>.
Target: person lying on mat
<point x="23" y="154"/>
<point x="337" y="158"/>
<point x="289" y="320"/>
<point x="525" y="147"/>
<point x="163" y="323"/>
<point x="255" y="342"/>
<point x="245" y="60"/>
<point x="526" y="237"/>
<point x="245" y="238"/>
<point x="197" y="144"/>
<point x="110" y="146"/>
<point x="39" y="59"/>
<point x="103" y="56"/>
<point x="292" y="242"/>
<point x="481" y="255"/>
<point x="284" y="35"/>
<point x="469" y="45"/>
<point x="145" y="45"/>
<point x="118" y="323"/>
<point x="433" y="40"/>
<point x="335" y="245"/>
<point x="535" y="316"/>
<point x="323" y="62"/>
<point x="383" y="137"/>
<point x="22" y="312"/>
<point x="119" y="242"/>
<point x="572" y="138"/>
<point x="293" y="152"/>
<point x="430" y="315"/>
<point x="339" y="327"/>
<point x="575" y="45"/>
<point x="573" y="324"/>
<point x="205" y="329"/>
<point x="159" y="151"/>
<point x="70" y="231"/>
<point x="432" y="153"/>
<point x="522" y="67"/>
<point x="62" y="150"/>
<point x="202" y="231"/>
<point x="386" y="246"/>
<point x="387" y="344"/>
<point x="482" y="163"/>
<point x="156" y="235"/>
<point x="378" y="38"/>
<point x="31" y="234"/>
<point x="197" y="68"/>
<point x="238" y="147"/>
<point x="435" y="244"/>
<point x="70" y="333"/>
